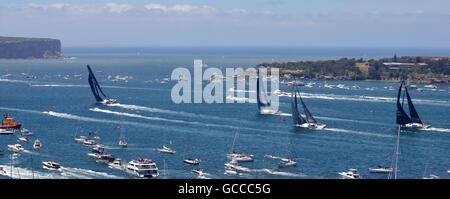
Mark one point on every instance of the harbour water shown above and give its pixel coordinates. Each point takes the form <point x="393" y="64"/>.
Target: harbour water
<point x="360" y="133"/>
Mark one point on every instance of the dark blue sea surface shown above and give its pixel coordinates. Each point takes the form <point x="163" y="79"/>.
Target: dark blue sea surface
<point x="361" y="131"/>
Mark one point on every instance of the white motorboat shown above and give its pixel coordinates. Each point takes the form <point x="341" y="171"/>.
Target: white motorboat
<point x="381" y="169"/>
<point x="7" y="131"/>
<point x="195" y="161"/>
<point x="240" y="157"/>
<point x="142" y="168"/>
<point x="51" y="165"/>
<point x="37" y="144"/>
<point x="165" y="149"/>
<point x="430" y="86"/>
<point x="16" y="148"/>
<point x="287" y="162"/>
<point x="198" y="172"/>
<point x="233" y="165"/>
<point x="123" y="143"/>
<point x="231" y="172"/>
<point x="89" y="142"/>
<point x="431" y="176"/>
<point x="23" y="139"/>
<point x="103" y="158"/>
<point x="26" y="132"/>
<point x="81" y="139"/>
<point x="2" y="171"/>
<point x="448" y="171"/>
<point x="350" y="174"/>
<point x="116" y="164"/>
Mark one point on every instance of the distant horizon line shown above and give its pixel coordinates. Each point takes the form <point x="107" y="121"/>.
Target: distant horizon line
<point x="250" y="46"/>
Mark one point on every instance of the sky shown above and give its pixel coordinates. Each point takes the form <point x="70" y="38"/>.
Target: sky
<point x="293" y="23"/>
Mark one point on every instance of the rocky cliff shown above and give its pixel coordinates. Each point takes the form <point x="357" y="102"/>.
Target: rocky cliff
<point x="26" y="48"/>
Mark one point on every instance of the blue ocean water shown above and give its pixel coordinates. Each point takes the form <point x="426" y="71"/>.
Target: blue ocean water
<point x="360" y="133"/>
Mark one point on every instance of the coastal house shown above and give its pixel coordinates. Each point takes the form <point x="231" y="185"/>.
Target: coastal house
<point x="399" y="65"/>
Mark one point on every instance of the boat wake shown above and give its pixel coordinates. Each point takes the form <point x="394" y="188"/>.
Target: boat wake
<point x="366" y="98"/>
<point x="85" y="173"/>
<point x="437" y="129"/>
<point x="335" y="119"/>
<point x="165" y="111"/>
<point x="356" y="132"/>
<point x="22" y="173"/>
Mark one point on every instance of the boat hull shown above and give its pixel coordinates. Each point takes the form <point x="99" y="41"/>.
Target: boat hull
<point x="415" y="126"/>
<point x="15" y="126"/>
<point x="312" y="126"/>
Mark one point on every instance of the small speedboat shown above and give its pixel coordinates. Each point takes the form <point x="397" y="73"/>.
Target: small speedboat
<point x="431" y="176"/>
<point x="7" y="131"/>
<point x="123" y="143"/>
<point x="195" y="161"/>
<point x="23" y="139"/>
<point x="81" y="139"/>
<point x="16" y="148"/>
<point x="240" y="157"/>
<point x="350" y="174"/>
<point x="165" y="149"/>
<point x="381" y="169"/>
<point x="37" y="144"/>
<point x="104" y="158"/>
<point x="89" y="142"/>
<point x="51" y="165"/>
<point x="198" y="172"/>
<point x="116" y="164"/>
<point x="233" y="165"/>
<point x="231" y="172"/>
<point x="287" y="162"/>
<point x="26" y="132"/>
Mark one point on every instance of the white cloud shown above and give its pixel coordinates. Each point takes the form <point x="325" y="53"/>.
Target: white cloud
<point x="237" y="11"/>
<point x="119" y="8"/>
<point x="180" y="8"/>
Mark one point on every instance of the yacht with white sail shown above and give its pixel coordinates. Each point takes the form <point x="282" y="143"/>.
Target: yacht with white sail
<point x="143" y="168"/>
<point x="409" y="122"/>
<point x="261" y="98"/>
<point x="122" y="143"/>
<point x="239" y="156"/>
<point x="308" y="122"/>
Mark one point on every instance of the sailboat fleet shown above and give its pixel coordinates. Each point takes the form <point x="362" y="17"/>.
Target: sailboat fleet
<point x="147" y="168"/>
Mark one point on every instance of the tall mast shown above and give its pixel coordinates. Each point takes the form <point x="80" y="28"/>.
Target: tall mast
<point x="397" y="153"/>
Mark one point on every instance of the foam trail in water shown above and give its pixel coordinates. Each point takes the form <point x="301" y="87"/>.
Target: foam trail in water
<point x="22" y="173"/>
<point x="157" y="110"/>
<point x="366" y="98"/>
<point x="437" y="129"/>
<point x="85" y="173"/>
<point x="356" y="132"/>
<point x="336" y="119"/>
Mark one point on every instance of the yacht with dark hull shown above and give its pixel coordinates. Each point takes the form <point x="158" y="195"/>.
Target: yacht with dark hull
<point x="308" y="122"/>
<point x="99" y="95"/>
<point x="412" y="121"/>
